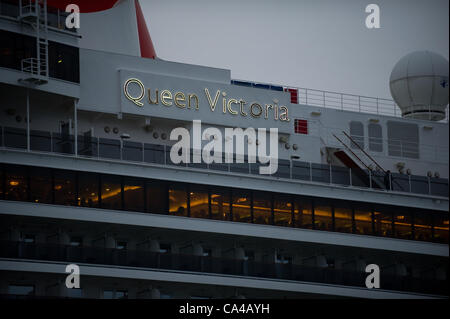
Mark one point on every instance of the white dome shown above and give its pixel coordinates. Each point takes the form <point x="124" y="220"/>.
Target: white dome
<point x="419" y="85"/>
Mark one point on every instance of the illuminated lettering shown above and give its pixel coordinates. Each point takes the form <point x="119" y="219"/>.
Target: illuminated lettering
<point x="212" y="104"/>
<point x="180" y="100"/>
<point x="166" y="95"/>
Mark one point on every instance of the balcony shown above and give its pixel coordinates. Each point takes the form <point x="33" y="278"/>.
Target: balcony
<point x="155" y="154"/>
<point x="213" y="265"/>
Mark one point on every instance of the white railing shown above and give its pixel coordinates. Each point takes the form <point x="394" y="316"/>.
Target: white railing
<point x="350" y="102"/>
<point x="154" y="154"/>
<point x="338" y="101"/>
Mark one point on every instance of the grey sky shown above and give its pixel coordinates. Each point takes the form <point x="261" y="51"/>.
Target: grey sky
<point x="320" y="44"/>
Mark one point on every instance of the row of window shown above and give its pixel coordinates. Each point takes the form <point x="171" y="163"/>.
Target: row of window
<point x="403" y="138"/>
<point x="90" y="146"/>
<point x="29" y="290"/>
<point x="63" y="60"/>
<point x="64" y="187"/>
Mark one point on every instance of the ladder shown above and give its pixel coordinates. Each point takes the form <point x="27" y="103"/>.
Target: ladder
<point x="34" y="12"/>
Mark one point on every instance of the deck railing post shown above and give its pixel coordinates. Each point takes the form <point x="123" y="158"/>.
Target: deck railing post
<point x="331" y="175"/>
<point x="429" y="185"/>
<point x="350" y="175"/>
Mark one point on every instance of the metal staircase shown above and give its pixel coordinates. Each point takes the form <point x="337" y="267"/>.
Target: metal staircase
<point x="374" y="178"/>
<point x="34" y="12"/>
<point x="368" y="176"/>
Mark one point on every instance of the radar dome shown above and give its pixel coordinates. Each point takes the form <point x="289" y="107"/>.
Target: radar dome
<point x="419" y="85"/>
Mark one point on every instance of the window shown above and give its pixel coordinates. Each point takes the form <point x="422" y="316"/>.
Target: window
<point x="343" y="218"/>
<point x="64" y="62"/>
<point x="303" y="217"/>
<point x="133" y="194"/>
<point x="111" y="192"/>
<point x="16" y="183"/>
<point x="21" y="290"/>
<point x="76" y="241"/>
<point x="120" y="244"/>
<point x="375" y="138"/>
<point x="262" y="208"/>
<point x="220" y="204"/>
<point x="15" y="47"/>
<point x="199" y="205"/>
<point x="88" y="189"/>
<point x="402" y="225"/>
<point x="357" y="134"/>
<point x="301" y="126"/>
<point x="403" y="139"/>
<point x="383" y="223"/>
<point x="2" y="175"/>
<point x="9" y="8"/>
<point x="241" y="206"/>
<point x="156" y="197"/>
<point x="440" y="228"/>
<point x="207" y="252"/>
<point x="282" y="210"/>
<point x="178" y="200"/>
<point x="64" y="187"/>
<point x="115" y="294"/>
<point x="283" y="259"/>
<point x="75" y="293"/>
<point x="108" y="294"/>
<point x="41" y="185"/>
<point x="29" y="239"/>
<point x="323" y="219"/>
<point x="422" y="226"/>
<point x="249" y="255"/>
<point x="121" y="294"/>
<point x="363" y="221"/>
<point x="164" y="248"/>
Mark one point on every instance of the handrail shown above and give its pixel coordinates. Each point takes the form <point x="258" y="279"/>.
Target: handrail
<point x="351" y="151"/>
<point x="370" y="157"/>
<point x="340" y="101"/>
<point x="170" y="261"/>
<point x="287" y="168"/>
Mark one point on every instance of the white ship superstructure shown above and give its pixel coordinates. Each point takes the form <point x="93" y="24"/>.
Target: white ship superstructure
<point x="87" y="178"/>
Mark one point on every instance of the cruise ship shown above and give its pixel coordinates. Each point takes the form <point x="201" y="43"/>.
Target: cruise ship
<point x="88" y="176"/>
